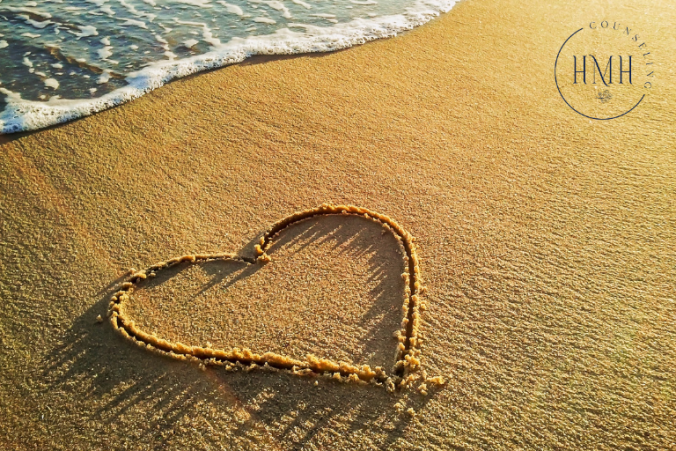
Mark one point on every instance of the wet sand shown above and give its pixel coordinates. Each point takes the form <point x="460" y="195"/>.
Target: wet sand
<point x="546" y="243"/>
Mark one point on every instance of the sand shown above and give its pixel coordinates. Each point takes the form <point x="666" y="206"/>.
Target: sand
<point x="546" y="243"/>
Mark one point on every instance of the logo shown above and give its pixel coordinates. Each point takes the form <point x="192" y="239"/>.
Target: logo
<point x="604" y="70"/>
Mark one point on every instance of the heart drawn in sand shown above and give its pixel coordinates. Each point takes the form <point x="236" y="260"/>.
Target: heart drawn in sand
<point x="405" y="371"/>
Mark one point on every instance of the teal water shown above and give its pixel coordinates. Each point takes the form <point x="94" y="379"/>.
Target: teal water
<point x="63" y="59"/>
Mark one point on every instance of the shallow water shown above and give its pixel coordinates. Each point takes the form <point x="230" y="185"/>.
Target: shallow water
<point x="63" y="59"/>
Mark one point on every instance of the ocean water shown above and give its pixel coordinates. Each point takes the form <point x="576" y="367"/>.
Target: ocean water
<point x="64" y="59"/>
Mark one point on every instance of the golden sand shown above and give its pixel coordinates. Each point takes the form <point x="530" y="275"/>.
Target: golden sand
<point x="545" y="241"/>
<point x="204" y="316"/>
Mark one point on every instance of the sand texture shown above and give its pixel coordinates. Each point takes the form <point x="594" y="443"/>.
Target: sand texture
<point x="546" y="243"/>
<point x="315" y="298"/>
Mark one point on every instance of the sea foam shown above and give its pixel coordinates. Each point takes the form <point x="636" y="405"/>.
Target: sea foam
<point x="301" y="28"/>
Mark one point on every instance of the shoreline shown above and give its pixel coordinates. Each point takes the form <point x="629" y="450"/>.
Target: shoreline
<point x="252" y="60"/>
<point x="37" y="115"/>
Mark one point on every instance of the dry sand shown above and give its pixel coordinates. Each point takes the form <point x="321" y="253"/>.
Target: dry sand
<point x="546" y="243"/>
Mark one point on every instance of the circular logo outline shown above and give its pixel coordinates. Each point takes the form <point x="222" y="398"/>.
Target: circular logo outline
<point x="571" y="107"/>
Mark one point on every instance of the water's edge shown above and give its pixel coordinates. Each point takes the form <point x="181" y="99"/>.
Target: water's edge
<point x="22" y="115"/>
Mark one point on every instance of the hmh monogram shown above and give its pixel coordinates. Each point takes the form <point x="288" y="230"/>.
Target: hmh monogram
<point x="595" y="67"/>
<point x="620" y="69"/>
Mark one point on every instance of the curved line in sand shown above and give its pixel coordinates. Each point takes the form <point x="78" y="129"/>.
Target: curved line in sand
<point x="405" y="370"/>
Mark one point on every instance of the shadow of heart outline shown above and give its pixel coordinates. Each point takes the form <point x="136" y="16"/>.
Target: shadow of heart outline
<point x="408" y="352"/>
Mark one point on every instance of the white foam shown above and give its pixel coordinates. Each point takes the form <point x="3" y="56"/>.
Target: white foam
<point x="85" y="31"/>
<point x="57" y="66"/>
<point x="329" y="17"/>
<point x="134" y="22"/>
<point x="105" y="52"/>
<point x="207" y="36"/>
<point x="140" y="14"/>
<point x="232" y="9"/>
<point x="266" y="20"/>
<point x="30" y="35"/>
<point x="27" y="62"/>
<point x="52" y="83"/>
<point x="274" y="4"/>
<point x="104" y="77"/>
<point x="200" y="3"/>
<point x="27" y="9"/>
<point x="190" y="43"/>
<point x="3" y="44"/>
<point x="21" y="114"/>
<point x="302" y="3"/>
<point x="165" y="46"/>
<point x="279" y="6"/>
<point x="34" y="23"/>
<point x="105" y="41"/>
